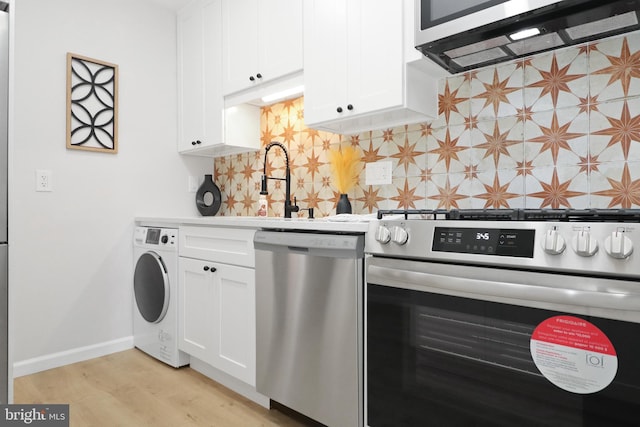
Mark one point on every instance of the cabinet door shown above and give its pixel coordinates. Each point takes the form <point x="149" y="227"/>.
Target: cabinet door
<point x="234" y="322"/>
<point x="195" y="296"/>
<point x="325" y="59"/>
<point x="240" y="44"/>
<point x="190" y="75"/>
<point x="357" y="62"/>
<point x="376" y="55"/>
<point x="200" y="101"/>
<point x="280" y="38"/>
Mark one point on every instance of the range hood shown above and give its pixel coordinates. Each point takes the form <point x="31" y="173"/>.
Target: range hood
<point x="560" y="24"/>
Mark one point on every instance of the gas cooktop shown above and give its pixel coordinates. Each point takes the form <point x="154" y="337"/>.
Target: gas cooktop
<point x="564" y="215"/>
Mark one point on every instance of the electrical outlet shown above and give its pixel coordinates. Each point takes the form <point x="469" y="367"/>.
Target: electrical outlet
<point x="378" y="173"/>
<point x="43" y="180"/>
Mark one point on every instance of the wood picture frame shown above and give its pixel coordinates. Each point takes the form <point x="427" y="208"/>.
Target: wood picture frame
<point x="92" y="104"/>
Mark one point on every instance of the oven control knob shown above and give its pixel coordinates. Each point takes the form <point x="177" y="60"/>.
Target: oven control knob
<point x="553" y="243"/>
<point x="584" y="244"/>
<point x="383" y="235"/>
<point x="399" y="235"/>
<point x="618" y="245"/>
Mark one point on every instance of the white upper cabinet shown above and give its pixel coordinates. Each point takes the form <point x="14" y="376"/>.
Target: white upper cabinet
<point x="357" y="75"/>
<point x="262" y="42"/>
<point x="325" y="60"/>
<point x="200" y="100"/>
<point x="204" y="127"/>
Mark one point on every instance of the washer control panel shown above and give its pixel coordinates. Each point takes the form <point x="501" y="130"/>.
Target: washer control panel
<point x="156" y="237"/>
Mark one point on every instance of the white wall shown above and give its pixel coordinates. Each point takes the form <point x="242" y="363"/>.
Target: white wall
<point x="70" y="250"/>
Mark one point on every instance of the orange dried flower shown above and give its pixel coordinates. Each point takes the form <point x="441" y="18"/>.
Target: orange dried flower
<point x="344" y="166"/>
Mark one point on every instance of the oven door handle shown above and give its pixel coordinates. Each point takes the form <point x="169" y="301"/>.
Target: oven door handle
<point x="452" y="283"/>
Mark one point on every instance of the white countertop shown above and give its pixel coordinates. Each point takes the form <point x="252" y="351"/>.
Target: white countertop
<point x="337" y="223"/>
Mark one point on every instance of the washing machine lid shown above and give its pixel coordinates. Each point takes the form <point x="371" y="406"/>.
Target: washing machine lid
<point x="151" y="287"/>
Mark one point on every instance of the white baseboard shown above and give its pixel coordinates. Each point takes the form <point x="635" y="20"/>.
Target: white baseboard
<point x="55" y="360"/>
<point x="230" y="382"/>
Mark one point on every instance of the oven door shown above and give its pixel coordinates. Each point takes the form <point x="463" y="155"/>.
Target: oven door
<point x="454" y="345"/>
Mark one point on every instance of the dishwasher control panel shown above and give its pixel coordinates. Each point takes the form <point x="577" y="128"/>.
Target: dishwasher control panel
<point x="309" y="241"/>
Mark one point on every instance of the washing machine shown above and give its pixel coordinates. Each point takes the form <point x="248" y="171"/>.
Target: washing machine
<point x="155" y="289"/>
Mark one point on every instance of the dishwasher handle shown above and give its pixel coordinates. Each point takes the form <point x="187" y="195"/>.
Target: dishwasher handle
<point x="298" y="249"/>
<point x="315" y="244"/>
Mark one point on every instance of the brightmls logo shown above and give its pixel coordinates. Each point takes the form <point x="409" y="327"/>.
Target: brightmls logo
<point x="27" y="417"/>
<point x="34" y="415"/>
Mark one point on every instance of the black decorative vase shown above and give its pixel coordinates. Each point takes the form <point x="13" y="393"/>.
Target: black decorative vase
<point x="344" y="205"/>
<point x="208" y="197"/>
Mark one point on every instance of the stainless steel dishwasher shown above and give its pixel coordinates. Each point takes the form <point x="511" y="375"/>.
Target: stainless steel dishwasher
<point x="309" y="314"/>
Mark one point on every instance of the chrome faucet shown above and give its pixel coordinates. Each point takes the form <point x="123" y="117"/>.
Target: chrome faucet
<point x="288" y="207"/>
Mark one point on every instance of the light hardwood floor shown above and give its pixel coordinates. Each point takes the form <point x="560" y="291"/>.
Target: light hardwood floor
<point x="132" y="389"/>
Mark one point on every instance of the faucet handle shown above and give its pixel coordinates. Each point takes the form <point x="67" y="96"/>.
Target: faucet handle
<point x="310" y="212"/>
<point x="290" y="208"/>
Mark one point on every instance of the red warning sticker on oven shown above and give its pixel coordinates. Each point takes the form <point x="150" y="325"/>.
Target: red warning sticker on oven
<point x="574" y="354"/>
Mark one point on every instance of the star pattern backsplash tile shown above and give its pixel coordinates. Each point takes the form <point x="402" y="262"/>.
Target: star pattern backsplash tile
<point x="556" y="130"/>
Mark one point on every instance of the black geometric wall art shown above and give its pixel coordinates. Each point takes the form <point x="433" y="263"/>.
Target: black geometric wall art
<point x="92" y="104"/>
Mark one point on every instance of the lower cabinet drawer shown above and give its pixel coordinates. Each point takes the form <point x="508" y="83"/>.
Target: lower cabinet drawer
<point x="220" y="244"/>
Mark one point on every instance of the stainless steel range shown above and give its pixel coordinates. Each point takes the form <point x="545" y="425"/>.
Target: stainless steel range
<point x="503" y="317"/>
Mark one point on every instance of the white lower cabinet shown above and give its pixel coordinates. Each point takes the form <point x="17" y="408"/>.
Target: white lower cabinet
<point x="217" y="315"/>
<point x="195" y="294"/>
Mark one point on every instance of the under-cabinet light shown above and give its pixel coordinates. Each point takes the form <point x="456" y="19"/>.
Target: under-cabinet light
<point x="529" y="32"/>
<point x="298" y="90"/>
